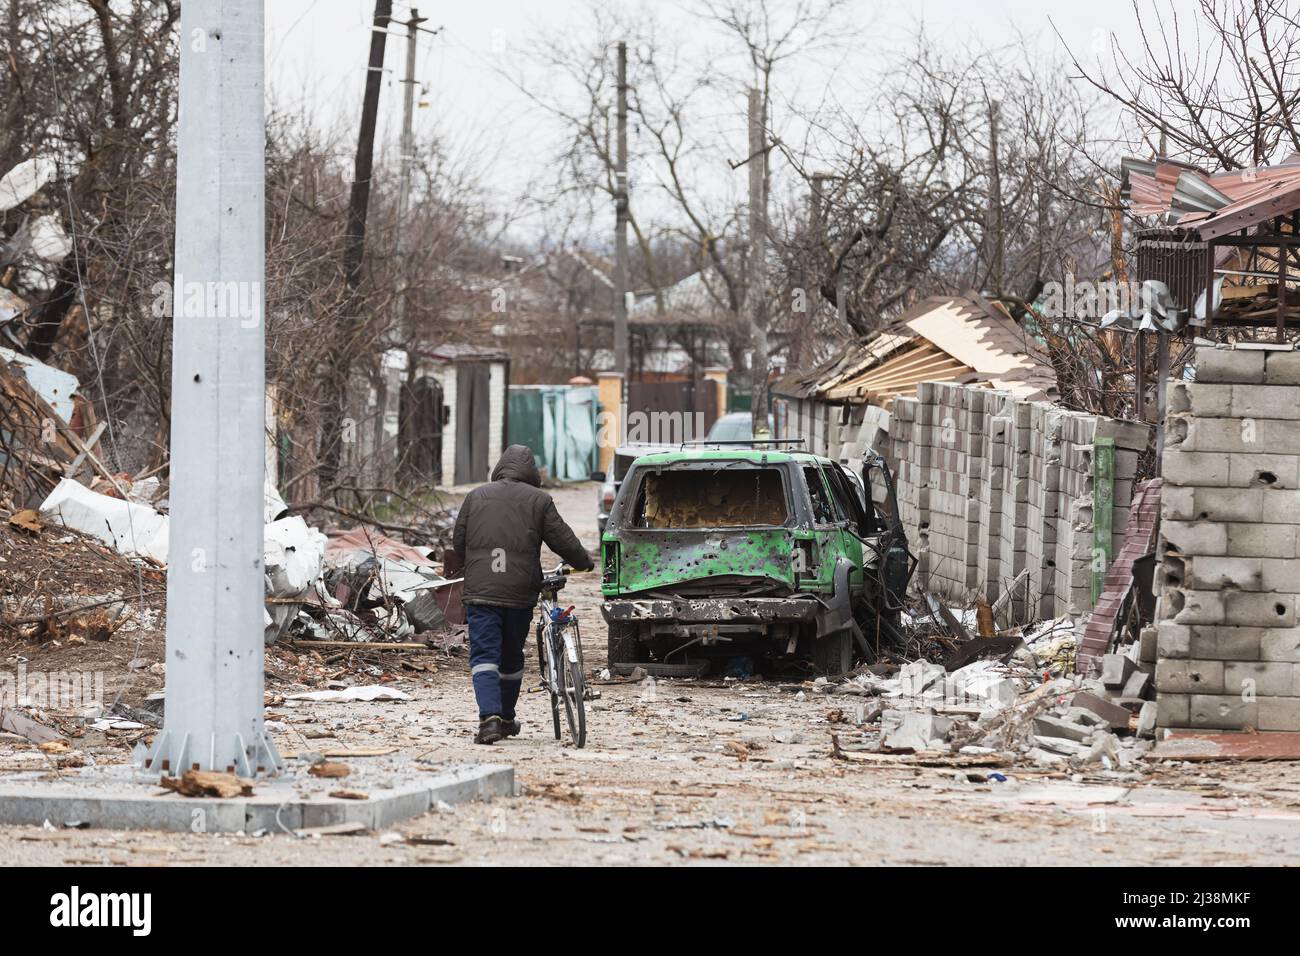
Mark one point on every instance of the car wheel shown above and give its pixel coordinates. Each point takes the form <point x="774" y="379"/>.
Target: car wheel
<point x="833" y="654"/>
<point x="624" y="646"/>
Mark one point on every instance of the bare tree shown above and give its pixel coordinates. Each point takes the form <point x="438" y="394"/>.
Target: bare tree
<point x="1219" y="80"/>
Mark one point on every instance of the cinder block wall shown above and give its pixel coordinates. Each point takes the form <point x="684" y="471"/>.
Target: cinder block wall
<point x="1228" y="648"/>
<point x="991" y="485"/>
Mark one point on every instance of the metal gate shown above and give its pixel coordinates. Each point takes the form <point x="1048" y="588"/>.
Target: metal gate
<point x="665" y="413"/>
<point x="472" y="418"/>
<point x="421" y="430"/>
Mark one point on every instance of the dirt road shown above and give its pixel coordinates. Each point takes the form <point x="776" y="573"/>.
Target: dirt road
<point x="740" y="773"/>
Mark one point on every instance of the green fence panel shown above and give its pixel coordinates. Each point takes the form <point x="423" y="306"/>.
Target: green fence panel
<point x="1103" y="512"/>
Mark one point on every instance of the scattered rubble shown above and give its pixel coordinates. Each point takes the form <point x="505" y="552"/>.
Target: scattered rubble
<point x="370" y="692"/>
<point x="355" y="585"/>
<point x="1017" y="702"/>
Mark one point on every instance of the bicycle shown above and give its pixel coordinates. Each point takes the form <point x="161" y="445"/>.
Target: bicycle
<point x="559" y="653"/>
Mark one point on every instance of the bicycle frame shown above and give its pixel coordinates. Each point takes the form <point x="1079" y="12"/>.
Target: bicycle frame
<point x="560" y="652"/>
<point x="568" y="631"/>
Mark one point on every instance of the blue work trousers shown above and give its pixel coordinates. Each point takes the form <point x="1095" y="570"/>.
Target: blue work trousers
<point x="496" y="656"/>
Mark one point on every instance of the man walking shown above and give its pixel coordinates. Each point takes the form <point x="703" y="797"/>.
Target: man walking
<point x="499" y="533"/>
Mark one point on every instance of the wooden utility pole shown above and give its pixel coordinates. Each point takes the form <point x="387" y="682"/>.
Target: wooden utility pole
<point x="620" y="222"/>
<point x="354" y="247"/>
<point x="812" y="267"/>
<point x="757" y="292"/>
<point x="993" y="222"/>
<point x="215" y="609"/>
<point x="359" y="201"/>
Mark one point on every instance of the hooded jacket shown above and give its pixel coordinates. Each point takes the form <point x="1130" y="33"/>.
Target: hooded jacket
<point x="500" y="529"/>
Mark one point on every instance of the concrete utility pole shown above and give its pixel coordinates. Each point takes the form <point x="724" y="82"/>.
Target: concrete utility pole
<point x="408" y="158"/>
<point x="214" y="576"/>
<point x="757" y="293"/>
<point x="620" y="222"/>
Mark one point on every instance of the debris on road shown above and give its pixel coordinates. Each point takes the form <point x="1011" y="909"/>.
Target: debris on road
<point x="12" y="722"/>
<point x="208" y="783"/>
<point x="357" y="585"/>
<point x="371" y="692"/>
<point x="1013" y="696"/>
<point x="329" y="770"/>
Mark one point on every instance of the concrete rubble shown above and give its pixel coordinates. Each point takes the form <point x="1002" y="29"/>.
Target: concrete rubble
<point x="1032" y="709"/>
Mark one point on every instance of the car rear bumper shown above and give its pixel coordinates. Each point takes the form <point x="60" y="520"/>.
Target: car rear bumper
<point x="755" y="610"/>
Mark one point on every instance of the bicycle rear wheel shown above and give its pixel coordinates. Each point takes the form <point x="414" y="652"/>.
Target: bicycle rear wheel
<point x="544" y="662"/>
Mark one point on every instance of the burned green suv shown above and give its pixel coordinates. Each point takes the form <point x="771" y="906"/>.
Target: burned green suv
<point x="712" y="555"/>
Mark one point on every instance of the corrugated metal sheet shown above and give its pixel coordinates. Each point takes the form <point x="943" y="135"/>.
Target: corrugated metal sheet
<point x="1213" y="205"/>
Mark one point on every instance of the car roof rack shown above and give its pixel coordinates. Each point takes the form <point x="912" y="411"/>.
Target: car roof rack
<point x="747" y="442"/>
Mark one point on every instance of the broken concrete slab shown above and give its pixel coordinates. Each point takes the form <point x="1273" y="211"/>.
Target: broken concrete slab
<point x="1058" y="745"/>
<point x="1147" y="720"/>
<point x="1043" y="757"/>
<point x="1045" y="725"/>
<point x="1105" y="749"/>
<point x="1138" y="685"/>
<point x="986" y="683"/>
<point x="1081" y="715"/>
<point x="909" y="730"/>
<point x="1116" y="670"/>
<point x="13" y="722"/>
<point x="919" y="677"/>
<point x="1115" y="715"/>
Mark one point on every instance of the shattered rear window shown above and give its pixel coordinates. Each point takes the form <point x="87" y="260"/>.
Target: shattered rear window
<point x="725" y="497"/>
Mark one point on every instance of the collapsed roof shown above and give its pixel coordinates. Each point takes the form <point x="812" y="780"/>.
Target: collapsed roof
<point x="963" y="338"/>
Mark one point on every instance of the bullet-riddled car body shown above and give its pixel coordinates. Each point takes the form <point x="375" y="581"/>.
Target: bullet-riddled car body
<point x="712" y="554"/>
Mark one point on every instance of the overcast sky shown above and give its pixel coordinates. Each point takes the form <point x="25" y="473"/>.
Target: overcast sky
<point x="316" y="53"/>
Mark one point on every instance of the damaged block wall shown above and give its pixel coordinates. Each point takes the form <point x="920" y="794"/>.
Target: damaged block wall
<point x="991" y="485"/>
<point x="1227" y="644"/>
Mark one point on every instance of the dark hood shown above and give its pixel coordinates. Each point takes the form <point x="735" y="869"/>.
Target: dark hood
<point x="517" y="464"/>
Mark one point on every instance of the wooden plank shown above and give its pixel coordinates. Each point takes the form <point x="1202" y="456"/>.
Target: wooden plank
<point x="75" y="441"/>
<point x="344" y="752"/>
<point x="75" y="465"/>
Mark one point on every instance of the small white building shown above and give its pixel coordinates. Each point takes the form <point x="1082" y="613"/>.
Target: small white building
<point x="460" y="407"/>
